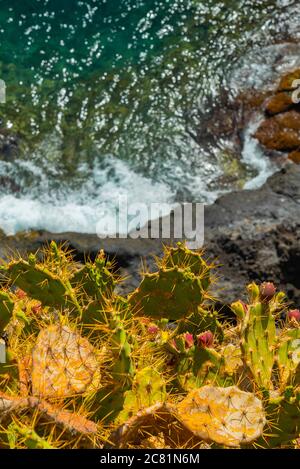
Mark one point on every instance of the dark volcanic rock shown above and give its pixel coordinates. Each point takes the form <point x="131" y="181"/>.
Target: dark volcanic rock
<point x="8" y="145"/>
<point x="8" y="152"/>
<point x="254" y="235"/>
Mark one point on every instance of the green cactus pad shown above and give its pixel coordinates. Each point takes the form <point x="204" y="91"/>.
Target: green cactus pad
<point x="38" y="282"/>
<point x="184" y="258"/>
<point x="177" y="289"/>
<point x="22" y="436"/>
<point x="201" y="321"/>
<point x="288" y="357"/>
<point x="148" y="388"/>
<point x="170" y="293"/>
<point x="284" y="417"/>
<point x="96" y="279"/>
<point x="258" y="343"/>
<point x="201" y="366"/>
<point x="6" y="310"/>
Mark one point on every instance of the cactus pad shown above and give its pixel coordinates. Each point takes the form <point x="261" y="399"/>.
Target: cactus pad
<point x="288" y="357"/>
<point x="148" y="388"/>
<point x="227" y="416"/>
<point x="258" y="343"/>
<point x="95" y="279"/>
<point x="6" y="310"/>
<point x="177" y="289"/>
<point x="170" y="293"/>
<point x="63" y="364"/>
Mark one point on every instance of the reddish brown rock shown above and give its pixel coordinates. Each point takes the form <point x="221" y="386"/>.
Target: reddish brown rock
<point x="295" y="156"/>
<point x="290" y="120"/>
<point x="274" y="136"/>
<point x="287" y="81"/>
<point x="280" y="102"/>
<point x="281" y="129"/>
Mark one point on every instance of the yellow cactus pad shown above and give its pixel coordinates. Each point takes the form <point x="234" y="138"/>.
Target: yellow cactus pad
<point x="63" y="364"/>
<point x="232" y="358"/>
<point x="227" y="416"/>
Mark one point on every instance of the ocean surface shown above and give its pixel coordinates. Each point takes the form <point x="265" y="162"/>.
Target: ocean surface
<point x="106" y="97"/>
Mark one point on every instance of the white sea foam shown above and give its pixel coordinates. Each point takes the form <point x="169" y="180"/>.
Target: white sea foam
<point x="80" y="210"/>
<point x="254" y="157"/>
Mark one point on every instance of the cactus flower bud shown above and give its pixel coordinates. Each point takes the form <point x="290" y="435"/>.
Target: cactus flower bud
<point x="267" y="291"/>
<point x="294" y="314"/>
<point x="173" y="345"/>
<point x="205" y="339"/>
<point x="189" y="340"/>
<point x="240" y="309"/>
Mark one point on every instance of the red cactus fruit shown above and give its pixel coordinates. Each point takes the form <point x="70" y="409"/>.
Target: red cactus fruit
<point x="189" y="340"/>
<point x="294" y="314"/>
<point x="267" y="291"/>
<point x="20" y="294"/>
<point x="153" y="329"/>
<point x="205" y="339"/>
<point x="145" y="320"/>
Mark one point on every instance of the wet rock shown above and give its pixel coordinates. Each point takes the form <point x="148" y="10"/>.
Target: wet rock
<point x="227" y="117"/>
<point x="9" y="184"/>
<point x="289" y="120"/>
<point x="281" y="102"/>
<point x="287" y="82"/>
<point x="8" y="145"/>
<point x="280" y="132"/>
<point x="295" y="156"/>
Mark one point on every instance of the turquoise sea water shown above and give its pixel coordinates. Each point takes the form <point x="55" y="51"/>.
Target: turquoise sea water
<point x="104" y="96"/>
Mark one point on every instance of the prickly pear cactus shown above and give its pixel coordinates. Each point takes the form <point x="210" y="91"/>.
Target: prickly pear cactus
<point x="40" y="283"/>
<point x="227" y="416"/>
<point x="258" y="332"/>
<point x="177" y="289"/>
<point x="20" y="436"/>
<point x="288" y="358"/>
<point x="6" y="310"/>
<point x="63" y="364"/>
<point x="96" y="279"/>
<point x="200" y="321"/>
<point x="148" y="388"/>
<point x="258" y="344"/>
<point x="284" y="414"/>
<point x="86" y="367"/>
<point x="200" y="366"/>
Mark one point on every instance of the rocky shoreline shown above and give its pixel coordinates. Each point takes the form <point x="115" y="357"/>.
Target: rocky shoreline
<point x="252" y="235"/>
